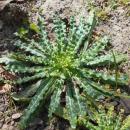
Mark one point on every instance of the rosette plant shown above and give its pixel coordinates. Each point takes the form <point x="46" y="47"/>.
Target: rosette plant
<point x="65" y="70"/>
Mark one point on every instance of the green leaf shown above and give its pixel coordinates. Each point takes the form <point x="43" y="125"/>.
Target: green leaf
<point x="91" y="25"/>
<point x="26" y="58"/>
<point x="27" y="93"/>
<point x="30" y="78"/>
<point x="91" y="92"/>
<point x="72" y="36"/>
<point x="81" y="35"/>
<point x="36" y="102"/>
<point x="34" y="27"/>
<point x="21" y="32"/>
<point x="44" y="41"/>
<point x="106" y="60"/>
<point x="96" y="48"/>
<point x="6" y="60"/>
<point x="81" y="107"/>
<point x="29" y="48"/>
<point x="100" y="89"/>
<point x="70" y="105"/>
<point x="60" y="30"/>
<point x="19" y="68"/>
<point x="122" y="79"/>
<point x="55" y="99"/>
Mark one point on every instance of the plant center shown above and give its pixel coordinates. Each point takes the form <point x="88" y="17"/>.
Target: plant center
<point x="62" y="63"/>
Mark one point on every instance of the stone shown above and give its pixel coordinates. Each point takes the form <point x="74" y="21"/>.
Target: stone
<point x="16" y="116"/>
<point x="12" y="122"/>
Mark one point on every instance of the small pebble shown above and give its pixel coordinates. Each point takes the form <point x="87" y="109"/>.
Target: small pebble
<point x="12" y="123"/>
<point x="16" y="116"/>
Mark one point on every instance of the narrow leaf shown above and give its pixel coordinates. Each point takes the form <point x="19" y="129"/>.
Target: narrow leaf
<point x="36" y="102"/>
<point x="70" y="105"/>
<point x="55" y="99"/>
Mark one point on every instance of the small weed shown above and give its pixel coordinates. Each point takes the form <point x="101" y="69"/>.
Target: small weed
<point x="108" y="120"/>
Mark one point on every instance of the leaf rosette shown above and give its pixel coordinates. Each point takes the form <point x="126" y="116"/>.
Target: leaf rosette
<point x="68" y="65"/>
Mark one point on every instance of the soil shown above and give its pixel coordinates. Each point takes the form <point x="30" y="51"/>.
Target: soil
<point x="117" y="26"/>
